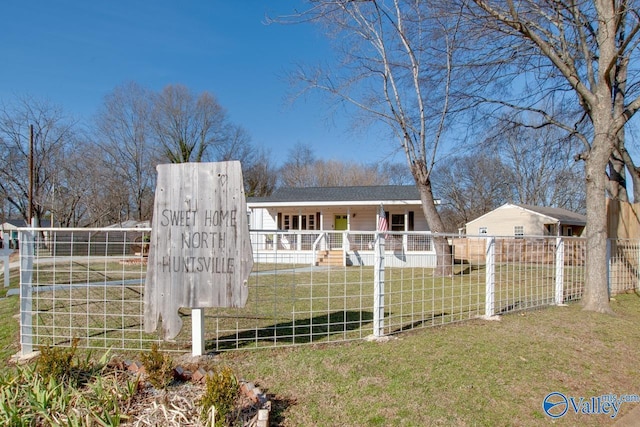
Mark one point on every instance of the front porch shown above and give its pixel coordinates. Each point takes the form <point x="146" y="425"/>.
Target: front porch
<point x="342" y="248"/>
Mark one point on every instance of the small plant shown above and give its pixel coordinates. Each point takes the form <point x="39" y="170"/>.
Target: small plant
<point x="61" y="363"/>
<point x="159" y="367"/>
<point x="220" y="394"/>
<point x="43" y="394"/>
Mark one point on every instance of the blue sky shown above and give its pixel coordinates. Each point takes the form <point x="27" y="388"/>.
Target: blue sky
<point x="74" y="52"/>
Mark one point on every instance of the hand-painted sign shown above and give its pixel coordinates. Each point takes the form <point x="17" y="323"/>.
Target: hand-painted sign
<point x="200" y="254"/>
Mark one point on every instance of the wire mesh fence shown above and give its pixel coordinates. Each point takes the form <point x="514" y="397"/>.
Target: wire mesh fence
<point x="624" y="265"/>
<point x="88" y="284"/>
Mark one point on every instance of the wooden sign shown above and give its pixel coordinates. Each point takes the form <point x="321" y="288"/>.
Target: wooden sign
<point x="200" y="253"/>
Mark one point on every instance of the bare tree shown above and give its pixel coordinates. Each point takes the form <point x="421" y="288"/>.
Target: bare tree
<point x="260" y="175"/>
<point x="335" y="173"/>
<point x="395" y="173"/>
<point x="53" y="138"/>
<point x="70" y="192"/>
<point x="397" y="67"/>
<point x="295" y="172"/>
<point x="471" y="186"/>
<point x="234" y="144"/>
<point x="124" y="135"/>
<point x="579" y="53"/>
<point x="186" y="125"/>
<point x="540" y="159"/>
<point x="302" y="169"/>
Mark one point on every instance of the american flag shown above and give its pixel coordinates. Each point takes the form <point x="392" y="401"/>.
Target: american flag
<point x="383" y="224"/>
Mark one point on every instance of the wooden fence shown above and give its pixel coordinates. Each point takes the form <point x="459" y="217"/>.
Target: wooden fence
<point x="471" y="250"/>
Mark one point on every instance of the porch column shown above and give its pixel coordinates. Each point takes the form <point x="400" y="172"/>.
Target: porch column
<point x="299" y="236"/>
<point x="405" y="236"/>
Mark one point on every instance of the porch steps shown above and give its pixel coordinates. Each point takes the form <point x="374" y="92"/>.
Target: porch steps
<point x="330" y="258"/>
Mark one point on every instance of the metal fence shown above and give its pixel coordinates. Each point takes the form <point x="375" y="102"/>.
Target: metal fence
<point x="88" y="284"/>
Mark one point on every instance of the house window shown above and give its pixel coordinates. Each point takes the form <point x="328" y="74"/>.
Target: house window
<point x="568" y="231"/>
<point x="298" y="222"/>
<point x="518" y="230"/>
<point x="482" y="230"/>
<point x="397" y="222"/>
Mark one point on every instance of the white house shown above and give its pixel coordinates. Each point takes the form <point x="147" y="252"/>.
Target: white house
<point x="11" y="227"/>
<point x="525" y="220"/>
<point x="337" y="221"/>
<point x="338" y="208"/>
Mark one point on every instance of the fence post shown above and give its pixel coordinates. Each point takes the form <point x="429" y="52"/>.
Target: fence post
<point x="378" y="287"/>
<point x="559" y="298"/>
<point x="609" y="267"/>
<point x="197" y="332"/>
<point x="345" y="247"/>
<point x="27" y="250"/>
<point x="490" y="278"/>
<point x="5" y="251"/>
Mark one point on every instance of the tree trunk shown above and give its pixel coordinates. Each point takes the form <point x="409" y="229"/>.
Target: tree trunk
<point x="596" y="289"/>
<point x="444" y="257"/>
<point x="617" y="179"/>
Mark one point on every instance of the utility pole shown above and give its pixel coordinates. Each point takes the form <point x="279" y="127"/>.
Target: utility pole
<point x="30" y="213"/>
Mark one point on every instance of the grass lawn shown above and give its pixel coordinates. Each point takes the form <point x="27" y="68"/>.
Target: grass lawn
<point x="489" y="373"/>
<point x="485" y="373"/>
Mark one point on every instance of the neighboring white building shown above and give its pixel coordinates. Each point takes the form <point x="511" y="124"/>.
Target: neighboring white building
<point x="525" y="220"/>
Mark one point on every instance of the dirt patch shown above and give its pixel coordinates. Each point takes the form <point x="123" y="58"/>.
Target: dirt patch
<point x="178" y="404"/>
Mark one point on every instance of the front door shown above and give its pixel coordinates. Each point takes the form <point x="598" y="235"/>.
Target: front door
<point x="341" y="223"/>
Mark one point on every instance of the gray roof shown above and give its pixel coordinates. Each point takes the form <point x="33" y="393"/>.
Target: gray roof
<point x="21" y="223"/>
<point x="341" y="194"/>
<point x="563" y="215"/>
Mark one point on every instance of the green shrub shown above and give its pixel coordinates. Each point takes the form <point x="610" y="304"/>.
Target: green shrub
<point x="159" y="367"/>
<point x="220" y="393"/>
<point x="64" y="365"/>
<point x="57" y="362"/>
